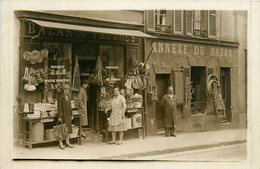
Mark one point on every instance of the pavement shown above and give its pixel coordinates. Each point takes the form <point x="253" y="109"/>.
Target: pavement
<point x="134" y="148"/>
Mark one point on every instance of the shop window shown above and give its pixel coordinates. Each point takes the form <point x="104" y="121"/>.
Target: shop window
<point x="212" y="23"/>
<point x="113" y="60"/>
<point x="198" y="80"/>
<point x="178" y="21"/>
<point x="57" y="67"/>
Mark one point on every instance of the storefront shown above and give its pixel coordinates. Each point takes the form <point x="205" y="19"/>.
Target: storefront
<point x="53" y="53"/>
<point x="187" y="66"/>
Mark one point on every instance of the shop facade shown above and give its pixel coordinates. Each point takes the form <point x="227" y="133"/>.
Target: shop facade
<point x="186" y="65"/>
<point x="55" y="52"/>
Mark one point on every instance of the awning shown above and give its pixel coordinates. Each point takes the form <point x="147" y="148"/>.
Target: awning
<point x="113" y="31"/>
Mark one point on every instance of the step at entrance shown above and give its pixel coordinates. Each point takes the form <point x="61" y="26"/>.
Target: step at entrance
<point x="92" y="137"/>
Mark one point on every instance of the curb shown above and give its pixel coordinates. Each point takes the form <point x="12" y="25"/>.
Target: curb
<point x="173" y="150"/>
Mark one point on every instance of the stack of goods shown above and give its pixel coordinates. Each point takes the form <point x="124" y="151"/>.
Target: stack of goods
<point x="137" y="100"/>
<point x="130" y="103"/>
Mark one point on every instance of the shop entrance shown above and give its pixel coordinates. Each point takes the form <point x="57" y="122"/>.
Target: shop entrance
<point x="198" y="80"/>
<point x="226" y="90"/>
<point x="163" y="82"/>
<point x="113" y="60"/>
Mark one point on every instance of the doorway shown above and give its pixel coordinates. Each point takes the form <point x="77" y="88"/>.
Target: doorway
<point x="225" y="83"/>
<point x="163" y="82"/>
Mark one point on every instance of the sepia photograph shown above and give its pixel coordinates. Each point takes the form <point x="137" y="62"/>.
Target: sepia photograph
<point x="130" y="85"/>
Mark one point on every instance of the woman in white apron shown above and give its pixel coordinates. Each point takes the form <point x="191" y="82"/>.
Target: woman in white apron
<point x="117" y="117"/>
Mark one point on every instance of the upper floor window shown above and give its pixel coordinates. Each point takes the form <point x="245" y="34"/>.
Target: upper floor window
<point x="198" y="23"/>
<point x="157" y="21"/>
<point x="160" y="17"/>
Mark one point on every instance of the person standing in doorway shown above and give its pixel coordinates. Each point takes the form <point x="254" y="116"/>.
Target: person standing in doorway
<point x="117" y="117"/>
<point x="82" y="98"/>
<point x="169" y="103"/>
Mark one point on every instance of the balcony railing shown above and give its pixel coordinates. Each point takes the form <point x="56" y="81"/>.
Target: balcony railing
<point x="200" y="33"/>
<point x="163" y="28"/>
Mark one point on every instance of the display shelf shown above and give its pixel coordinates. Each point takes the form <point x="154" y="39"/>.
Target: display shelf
<point x="29" y="142"/>
<point x="129" y="111"/>
<point x="45" y="141"/>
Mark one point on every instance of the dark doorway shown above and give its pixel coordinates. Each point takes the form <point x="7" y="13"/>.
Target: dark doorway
<point x="226" y="90"/>
<point x="163" y="82"/>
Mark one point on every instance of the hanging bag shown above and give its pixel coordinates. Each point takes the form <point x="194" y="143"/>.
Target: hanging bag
<point x="29" y="86"/>
<point x="60" y="131"/>
<point x="25" y="78"/>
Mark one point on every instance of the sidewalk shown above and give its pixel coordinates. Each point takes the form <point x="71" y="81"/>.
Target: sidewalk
<point x="132" y="148"/>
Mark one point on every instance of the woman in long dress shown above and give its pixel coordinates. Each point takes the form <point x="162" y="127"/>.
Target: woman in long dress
<point x="117" y="117"/>
<point x="65" y="113"/>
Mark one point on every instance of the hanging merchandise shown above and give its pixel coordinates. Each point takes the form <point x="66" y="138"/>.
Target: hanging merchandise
<point x="26" y="108"/>
<point x="187" y="97"/>
<point x="29" y="86"/>
<point x="35" y="56"/>
<point x="25" y="78"/>
<point x="152" y="92"/>
<point x="213" y="93"/>
<point x="98" y="72"/>
<point x="76" y="76"/>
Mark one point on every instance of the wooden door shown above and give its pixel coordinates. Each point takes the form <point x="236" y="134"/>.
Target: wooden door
<point x="163" y="82"/>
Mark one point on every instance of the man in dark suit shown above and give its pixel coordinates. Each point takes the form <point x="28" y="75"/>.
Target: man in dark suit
<point x="169" y="103"/>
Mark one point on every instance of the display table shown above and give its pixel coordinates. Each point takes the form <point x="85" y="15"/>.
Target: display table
<point x="29" y="142"/>
<point x="129" y="112"/>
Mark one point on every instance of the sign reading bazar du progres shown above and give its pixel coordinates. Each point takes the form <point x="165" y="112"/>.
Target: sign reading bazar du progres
<point x="176" y="48"/>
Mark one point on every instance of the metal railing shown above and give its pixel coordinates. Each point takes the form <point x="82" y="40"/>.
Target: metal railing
<point x="197" y="108"/>
<point x="200" y="33"/>
<point x="163" y="28"/>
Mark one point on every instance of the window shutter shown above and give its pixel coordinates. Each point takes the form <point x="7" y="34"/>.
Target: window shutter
<point x="189" y="22"/>
<point x="179" y="87"/>
<point x="212" y="23"/>
<point x="151" y="20"/>
<point x="178" y="21"/>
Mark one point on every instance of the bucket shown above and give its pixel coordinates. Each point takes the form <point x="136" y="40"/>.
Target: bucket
<point x="137" y="120"/>
<point x="37" y="132"/>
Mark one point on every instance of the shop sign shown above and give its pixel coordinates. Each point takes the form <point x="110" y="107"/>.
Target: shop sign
<point x="33" y="29"/>
<point x="191" y="49"/>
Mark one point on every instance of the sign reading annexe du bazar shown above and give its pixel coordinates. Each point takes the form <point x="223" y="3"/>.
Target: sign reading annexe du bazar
<point x="190" y="49"/>
<point x="33" y="29"/>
